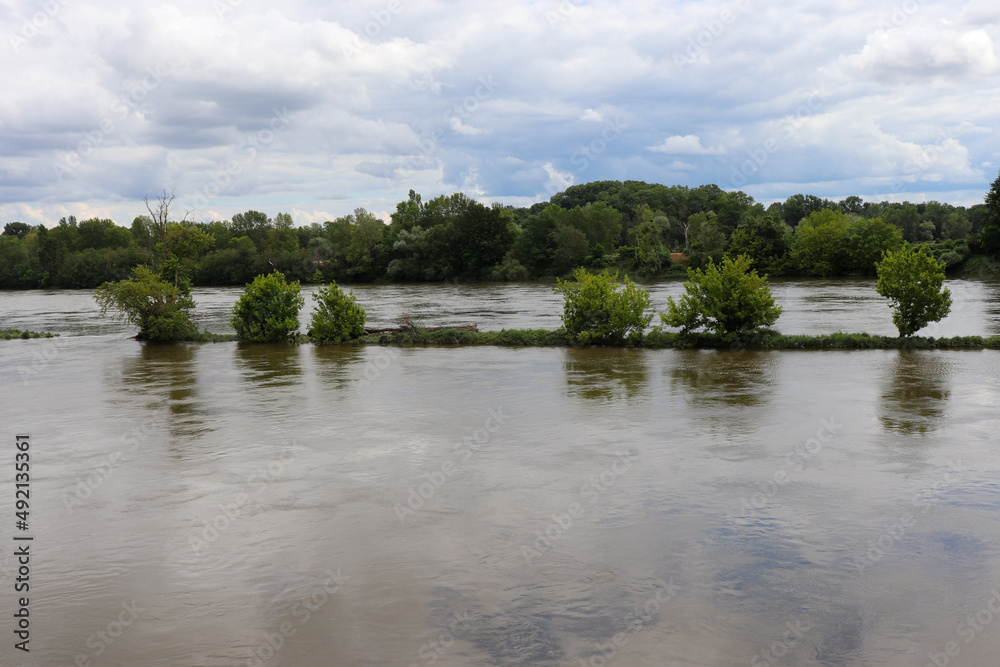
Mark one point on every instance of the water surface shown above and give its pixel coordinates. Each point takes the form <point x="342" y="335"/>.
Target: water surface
<point x="290" y="506"/>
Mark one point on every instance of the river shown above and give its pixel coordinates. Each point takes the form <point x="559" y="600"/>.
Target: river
<point x="224" y="504"/>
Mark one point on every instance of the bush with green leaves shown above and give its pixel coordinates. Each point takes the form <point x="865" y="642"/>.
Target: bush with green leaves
<point x="911" y="279"/>
<point x="337" y="316"/>
<point x="268" y="309"/>
<point x="728" y="300"/>
<point x="598" y="309"/>
<point x="159" y="309"/>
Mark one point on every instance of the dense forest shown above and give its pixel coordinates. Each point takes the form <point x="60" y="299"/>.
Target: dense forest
<point x="643" y="229"/>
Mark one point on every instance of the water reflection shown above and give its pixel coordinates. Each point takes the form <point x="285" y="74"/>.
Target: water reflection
<point x="992" y="308"/>
<point x="270" y="364"/>
<point x="719" y="378"/>
<point x="340" y="365"/>
<point x="167" y="375"/>
<point x="605" y="373"/>
<point x="915" y="392"/>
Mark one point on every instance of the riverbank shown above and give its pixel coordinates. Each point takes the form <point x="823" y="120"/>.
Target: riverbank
<point x="654" y="340"/>
<point x="770" y="340"/>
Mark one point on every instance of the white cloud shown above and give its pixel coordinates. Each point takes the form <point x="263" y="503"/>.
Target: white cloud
<point x="927" y="51"/>
<point x="372" y="106"/>
<point x="557" y="180"/>
<point x="689" y="144"/>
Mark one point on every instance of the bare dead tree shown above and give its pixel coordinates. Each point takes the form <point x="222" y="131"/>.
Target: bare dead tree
<point x="161" y="217"/>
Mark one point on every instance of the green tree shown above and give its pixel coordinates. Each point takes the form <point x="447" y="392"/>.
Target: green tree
<point x="707" y="239"/>
<point x="253" y="224"/>
<point x="819" y="247"/>
<point x="906" y="217"/>
<point x="991" y="220"/>
<point x="18" y="269"/>
<point x="729" y="300"/>
<point x="159" y="309"/>
<point x="867" y="240"/>
<point x="481" y="238"/>
<point x="570" y="248"/>
<point x="649" y="249"/>
<point x="268" y="309"/>
<point x="99" y="234"/>
<point x="766" y="240"/>
<point x="337" y="316"/>
<point x="182" y="243"/>
<point x="18" y="229"/>
<point x="956" y="226"/>
<point x="911" y="279"/>
<point x="282" y="237"/>
<point x="797" y="207"/>
<point x="365" y="247"/>
<point x="159" y="220"/>
<point x="598" y="309"/>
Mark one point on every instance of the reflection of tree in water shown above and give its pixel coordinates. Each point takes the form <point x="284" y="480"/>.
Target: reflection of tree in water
<point x="269" y="364"/>
<point x="605" y="373"/>
<point x="167" y="374"/>
<point x="340" y="365"/>
<point x="992" y="308"/>
<point x="915" y="393"/>
<point x="720" y="378"/>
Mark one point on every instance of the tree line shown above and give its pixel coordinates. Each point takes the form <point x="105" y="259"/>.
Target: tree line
<point x="643" y="229"/>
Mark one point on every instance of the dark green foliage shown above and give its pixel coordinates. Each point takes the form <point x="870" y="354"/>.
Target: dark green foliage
<point x="159" y="309"/>
<point x="18" y="269"/>
<point x="89" y="268"/>
<point x="599" y="310"/>
<point x="766" y="241"/>
<point x="912" y="281"/>
<point x="797" y="207"/>
<point x="728" y="300"/>
<point x="625" y="225"/>
<point x="991" y="220"/>
<point x="867" y="240"/>
<point x="232" y="266"/>
<point x="18" y="229"/>
<point x="337" y="316"/>
<point x="253" y="225"/>
<point x="102" y="233"/>
<point x="481" y="239"/>
<point x="820" y="244"/>
<point x="268" y="310"/>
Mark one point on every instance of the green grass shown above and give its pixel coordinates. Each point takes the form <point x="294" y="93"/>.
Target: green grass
<point x="656" y="339"/>
<point x="769" y="340"/>
<point x="11" y="334"/>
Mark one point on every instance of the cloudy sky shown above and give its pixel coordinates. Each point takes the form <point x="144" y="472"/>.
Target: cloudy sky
<point x="316" y="108"/>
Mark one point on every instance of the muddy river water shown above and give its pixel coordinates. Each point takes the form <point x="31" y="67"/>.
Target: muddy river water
<point x="223" y="504"/>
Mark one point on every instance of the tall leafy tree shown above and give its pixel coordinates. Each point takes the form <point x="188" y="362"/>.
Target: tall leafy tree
<point x="867" y="241"/>
<point x="765" y="240"/>
<point x="481" y="238"/>
<point x="991" y="220"/>
<point x="912" y="281"/>
<point x="252" y="224"/>
<point x="820" y="244"/>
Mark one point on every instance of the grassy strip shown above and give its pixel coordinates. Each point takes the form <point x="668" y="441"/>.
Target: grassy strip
<point x="209" y="337"/>
<point x="11" y="334"/>
<point x="770" y="340"/>
<point x="511" y="338"/>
